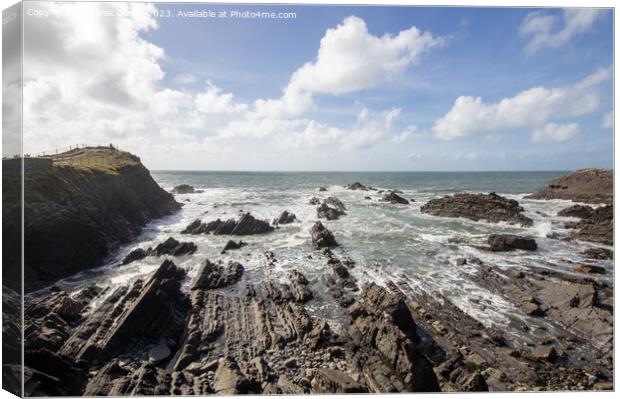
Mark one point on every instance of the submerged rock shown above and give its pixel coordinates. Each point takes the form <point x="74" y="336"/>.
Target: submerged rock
<point x="284" y="218"/>
<point x="185" y="189"/>
<point x="246" y="225"/>
<point x="577" y="211"/>
<point x="231" y="245"/>
<point x="598" y="253"/>
<point x="322" y="237"/>
<point x="508" y="242"/>
<point x="394" y="198"/>
<point x="592" y="186"/>
<point x="314" y="201"/>
<point x="478" y="207"/>
<point x="322" y="188"/>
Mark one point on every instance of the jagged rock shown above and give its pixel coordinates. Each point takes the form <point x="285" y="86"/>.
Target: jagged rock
<point x="394" y="198"/>
<point x="577" y="211"/>
<point x="185" y="189"/>
<point x="247" y="225"/>
<point x="592" y="186"/>
<point x="598" y="227"/>
<point x="598" y="253"/>
<point x="357" y="186"/>
<point x="314" y="201"/>
<point x="508" y="242"/>
<point x="175" y="248"/>
<point x="331" y="209"/>
<point x="284" y="218"/>
<point x="322" y="237"/>
<point x="231" y="245"/>
<point x="334" y="381"/>
<point x="212" y="275"/>
<point x="135" y="255"/>
<point x="229" y="380"/>
<point x="485" y="207"/>
<point x="153" y="311"/>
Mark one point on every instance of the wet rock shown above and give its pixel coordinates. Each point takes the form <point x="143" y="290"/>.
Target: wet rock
<point x="314" y="201"/>
<point x="598" y="227"/>
<point x="542" y="354"/>
<point x="461" y="261"/>
<point x="135" y="255"/>
<point x="246" y="225"/>
<point x="335" y="203"/>
<point x="175" y="248"/>
<point x="592" y="186"/>
<point x="598" y="253"/>
<point x="334" y="381"/>
<point x="217" y="275"/>
<point x="509" y="242"/>
<point x="478" y="207"/>
<point x="185" y="189"/>
<point x="322" y="237"/>
<point x="394" y="198"/>
<point x="159" y="353"/>
<point x="592" y="269"/>
<point x="231" y="245"/>
<point x="284" y="218"/>
<point x="322" y="188"/>
<point x="325" y="211"/>
<point x="357" y="186"/>
<point x="577" y="211"/>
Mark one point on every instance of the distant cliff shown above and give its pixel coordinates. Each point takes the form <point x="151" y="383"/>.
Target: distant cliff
<point x="79" y="207"/>
<point x="593" y="186"/>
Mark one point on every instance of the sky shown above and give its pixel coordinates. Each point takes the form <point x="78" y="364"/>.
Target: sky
<point x="334" y="88"/>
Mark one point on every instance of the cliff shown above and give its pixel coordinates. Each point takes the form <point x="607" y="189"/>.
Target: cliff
<point x="79" y="206"/>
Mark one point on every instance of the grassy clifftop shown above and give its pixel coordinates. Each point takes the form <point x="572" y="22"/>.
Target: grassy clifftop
<point x="78" y="207"/>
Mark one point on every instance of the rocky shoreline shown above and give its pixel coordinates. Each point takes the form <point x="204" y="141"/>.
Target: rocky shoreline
<point x="223" y="332"/>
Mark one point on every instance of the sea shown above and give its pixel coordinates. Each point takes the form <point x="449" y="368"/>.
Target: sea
<point x="386" y="241"/>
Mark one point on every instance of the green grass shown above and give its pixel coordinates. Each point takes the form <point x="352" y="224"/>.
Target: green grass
<point x="101" y="159"/>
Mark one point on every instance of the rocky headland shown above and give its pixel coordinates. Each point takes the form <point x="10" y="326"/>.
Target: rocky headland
<point x="224" y="332"/>
<point x="592" y="186"/>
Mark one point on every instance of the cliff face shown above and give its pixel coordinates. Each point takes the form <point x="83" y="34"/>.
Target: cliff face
<point x="82" y="207"/>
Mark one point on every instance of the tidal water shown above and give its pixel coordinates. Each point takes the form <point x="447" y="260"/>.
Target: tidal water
<point x="387" y="241"/>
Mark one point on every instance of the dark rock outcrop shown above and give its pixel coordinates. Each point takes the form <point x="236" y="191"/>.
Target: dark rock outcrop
<point x="592" y="186"/>
<point x="231" y="245"/>
<point x="82" y="208"/>
<point x="314" y="201"/>
<point x="185" y="189"/>
<point x="322" y="237"/>
<point x="331" y="209"/>
<point x="577" y="211"/>
<point x="135" y="255"/>
<point x="175" y="248"/>
<point x="246" y="225"/>
<point x="284" y="218"/>
<point x="217" y="275"/>
<point x="478" y="207"/>
<point x="394" y="198"/>
<point x="599" y="227"/>
<point x="358" y="186"/>
<point x="509" y="242"/>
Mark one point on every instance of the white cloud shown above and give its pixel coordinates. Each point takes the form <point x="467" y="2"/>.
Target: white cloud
<point x="539" y="27"/>
<point x="185" y="78"/>
<point x="213" y="101"/>
<point x="350" y="59"/>
<point x="608" y="120"/>
<point x="532" y="108"/>
<point x="405" y="134"/>
<point x="553" y="132"/>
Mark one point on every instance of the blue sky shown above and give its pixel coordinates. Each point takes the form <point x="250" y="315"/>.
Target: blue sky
<point x="470" y="89"/>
